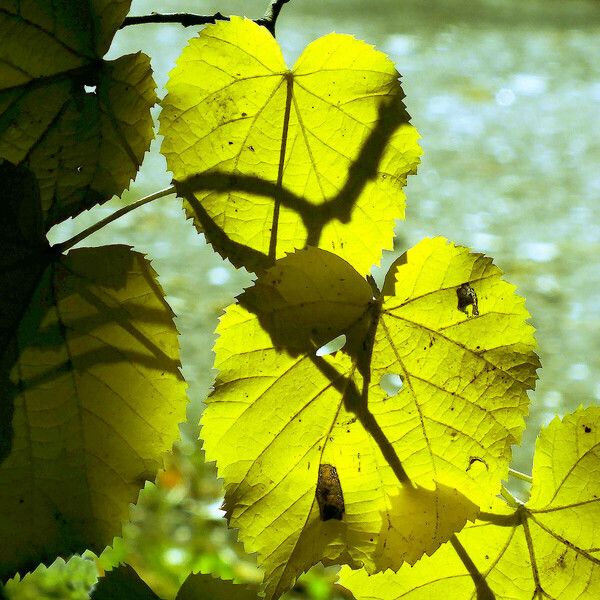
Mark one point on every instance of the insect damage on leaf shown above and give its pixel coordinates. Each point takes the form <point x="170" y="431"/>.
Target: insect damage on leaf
<point x="329" y="494"/>
<point x="467" y="297"/>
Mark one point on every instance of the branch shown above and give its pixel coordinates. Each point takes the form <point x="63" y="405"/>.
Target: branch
<point x="522" y="476"/>
<point x="66" y="245"/>
<point x="270" y="17"/>
<point x="185" y="19"/>
<point x="188" y="19"/>
<point x="511" y="500"/>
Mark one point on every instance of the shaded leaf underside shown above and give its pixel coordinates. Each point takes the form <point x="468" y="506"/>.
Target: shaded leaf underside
<point x="122" y="582"/>
<point x="207" y="587"/>
<point x="82" y="125"/>
<point x="97" y="397"/>
<point x="90" y="389"/>
<point x="271" y="159"/>
<point x="279" y="410"/>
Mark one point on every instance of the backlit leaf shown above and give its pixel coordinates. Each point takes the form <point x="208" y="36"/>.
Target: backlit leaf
<point x="90" y="389"/>
<point x="547" y="548"/>
<point x="280" y="410"/>
<point x="81" y="124"/>
<point x="272" y="159"/>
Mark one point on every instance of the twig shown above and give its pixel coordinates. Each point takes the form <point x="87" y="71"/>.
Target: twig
<point x="511" y="500"/>
<point x="522" y="476"/>
<point x="270" y="17"/>
<point x="185" y="19"/>
<point x="66" y="245"/>
<point x="188" y="19"/>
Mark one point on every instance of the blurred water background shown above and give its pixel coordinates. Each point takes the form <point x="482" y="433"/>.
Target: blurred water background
<point x="506" y="96"/>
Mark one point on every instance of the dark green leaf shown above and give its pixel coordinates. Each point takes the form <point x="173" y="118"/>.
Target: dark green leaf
<point x="90" y="389"/>
<point x="122" y="583"/>
<point x="81" y="124"/>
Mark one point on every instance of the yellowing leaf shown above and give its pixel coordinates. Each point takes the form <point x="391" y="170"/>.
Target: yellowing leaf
<point x="90" y="389"/>
<point x="272" y="159"/>
<point x="411" y="467"/>
<point x="82" y="125"/>
<point x="548" y="548"/>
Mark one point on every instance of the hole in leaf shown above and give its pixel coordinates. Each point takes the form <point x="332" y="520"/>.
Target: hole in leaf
<point x="89" y="89"/>
<point x="332" y="346"/>
<point x="391" y="384"/>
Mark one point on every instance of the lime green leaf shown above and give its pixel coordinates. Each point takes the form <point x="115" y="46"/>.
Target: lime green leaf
<point x="548" y="548"/>
<point x="122" y="582"/>
<point x="82" y="125"/>
<point x="272" y="159"/>
<point x="70" y="580"/>
<point x="90" y="389"/>
<point x="206" y="587"/>
<point x="281" y="408"/>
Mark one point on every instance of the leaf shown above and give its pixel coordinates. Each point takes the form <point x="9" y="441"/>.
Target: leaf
<point x="81" y="124"/>
<point x="122" y="582"/>
<point x="67" y="580"/>
<point x="207" y="587"/>
<point x="272" y="159"/>
<point x="548" y="548"/>
<point x="24" y="254"/>
<point x="90" y="388"/>
<point x="280" y="410"/>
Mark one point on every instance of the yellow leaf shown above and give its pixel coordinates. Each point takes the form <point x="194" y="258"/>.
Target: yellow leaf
<point x="411" y="467"/>
<point x="547" y="548"/>
<point x="271" y="159"/>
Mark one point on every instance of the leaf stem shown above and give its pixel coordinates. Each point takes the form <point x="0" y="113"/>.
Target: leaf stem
<point x="522" y="476"/>
<point x="66" y="245"/>
<point x="510" y="499"/>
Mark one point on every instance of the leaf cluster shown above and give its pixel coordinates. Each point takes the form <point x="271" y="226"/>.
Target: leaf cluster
<point x="351" y="424"/>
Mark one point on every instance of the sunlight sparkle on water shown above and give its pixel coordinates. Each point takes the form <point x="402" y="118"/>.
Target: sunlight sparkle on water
<point x="218" y="276"/>
<point x="174" y="556"/>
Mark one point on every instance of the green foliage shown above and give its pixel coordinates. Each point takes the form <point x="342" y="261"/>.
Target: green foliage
<point x="553" y="538"/>
<point x="122" y="582"/>
<point x="205" y="587"/>
<point x="70" y="580"/>
<point x="90" y="376"/>
<point x="351" y="425"/>
<point x="81" y="124"/>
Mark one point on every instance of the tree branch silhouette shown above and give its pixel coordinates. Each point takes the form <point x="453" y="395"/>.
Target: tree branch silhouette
<point x="190" y="19"/>
<point x="185" y="19"/>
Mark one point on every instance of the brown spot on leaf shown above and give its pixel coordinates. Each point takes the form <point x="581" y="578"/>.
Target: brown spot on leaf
<point x="329" y="494"/>
<point x="467" y="297"/>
